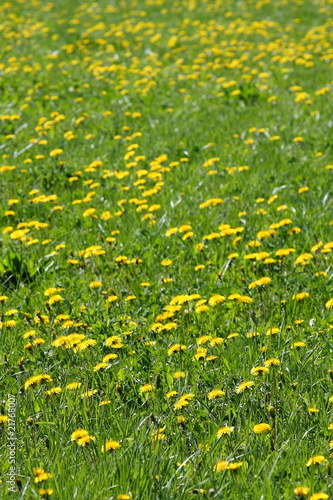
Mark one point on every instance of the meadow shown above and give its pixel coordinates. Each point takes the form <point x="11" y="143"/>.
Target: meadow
<point x="166" y="238"/>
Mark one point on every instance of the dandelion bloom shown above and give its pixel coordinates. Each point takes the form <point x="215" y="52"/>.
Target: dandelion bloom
<point x="221" y="466"/>
<point x="87" y="394"/>
<point x="316" y="460"/>
<point x="301" y="296"/>
<point x="159" y="434"/>
<point x="53" y="390"/>
<point x="45" y="491"/>
<point x="261" y="428"/>
<point x="40" y="474"/>
<point x="244" y="386"/>
<point x="301" y="491"/>
<point x="319" y="496"/>
<point x="272" y="362"/>
<point x="79" y="433"/>
<point x="259" y="370"/>
<point x="329" y="304"/>
<point x="183" y="400"/>
<point x="95" y="284"/>
<point x="56" y="152"/>
<point x="100" y="366"/>
<point x="223" y="431"/>
<point x="37" y="379"/>
<point x="146" y="388"/>
<point x="215" y="393"/>
<point x="83" y="441"/>
<point x="234" y="465"/>
<point x="216" y="299"/>
<point x="110" y="446"/>
<point x="272" y="331"/>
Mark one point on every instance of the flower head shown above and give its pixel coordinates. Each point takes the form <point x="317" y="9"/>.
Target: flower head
<point x="261" y="428"/>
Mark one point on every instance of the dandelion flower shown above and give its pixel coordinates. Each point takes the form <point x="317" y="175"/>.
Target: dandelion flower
<point x="110" y="446"/>
<point x="301" y="491"/>
<point x="221" y="466"/>
<point x="243" y="386"/>
<point x="215" y="393"/>
<point x="319" y="496"/>
<point x="223" y="431"/>
<point x="261" y="428"/>
<point x="259" y="370"/>
<point x="146" y="388"/>
<point x="183" y="400"/>
<point x="329" y="304"/>
<point x="316" y="460"/>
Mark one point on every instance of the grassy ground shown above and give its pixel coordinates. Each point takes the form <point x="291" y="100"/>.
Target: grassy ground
<point x="166" y="249"/>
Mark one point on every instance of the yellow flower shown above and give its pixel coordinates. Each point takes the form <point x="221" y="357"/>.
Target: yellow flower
<point x="301" y="296"/>
<point x="166" y="262"/>
<point x="303" y="189"/>
<point x="183" y="400"/>
<point x="272" y="362"/>
<point x="36" y="379"/>
<point x="244" y="299"/>
<point x="221" y="466"/>
<point x="79" y="433"/>
<point x="3" y="419"/>
<point x="55" y="298"/>
<point x="159" y="434"/>
<point x="298" y="345"/>
<point x="170" y="394"/>
<point x="56" y="152"/>
<point x="316" y="460"/>
<point x="110" y="445"/>
<point x="54" y="390"/>
<point x="244" y="386"/>
<point x="112" y="298"/>
<point x="109" y="357"/>
<point x="201" y="353"/>
<point x="115" y="341"/>
<point x="87" y="394"/>
<point x="223" y="431"/>
<point x="73" y="385"/>
<point x="216" y="299"/>
<point x="176" y="348"/>
<point x="301" y="491"/>
<point x="319" y="496"/>
<point x="215" y="393"/>
<point x="146" y="388"/>
<point x="84" y="440"/>
<point x="100" y="366"/>
<point x="234" y="465"/>
<point x="272" y="331"/>
<point x="261" y="428"/>
<point x="329" y="304"/>
<point x="259" y="370"/>
<point x="40" y="474"/>
<point x="95" y="284"/>
<point x="45" y="491"/>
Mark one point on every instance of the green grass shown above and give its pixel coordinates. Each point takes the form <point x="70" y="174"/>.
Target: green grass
<point x="117" y="123"/>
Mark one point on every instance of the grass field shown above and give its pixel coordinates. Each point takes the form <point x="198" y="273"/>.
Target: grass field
<point x="166" y="249"/>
